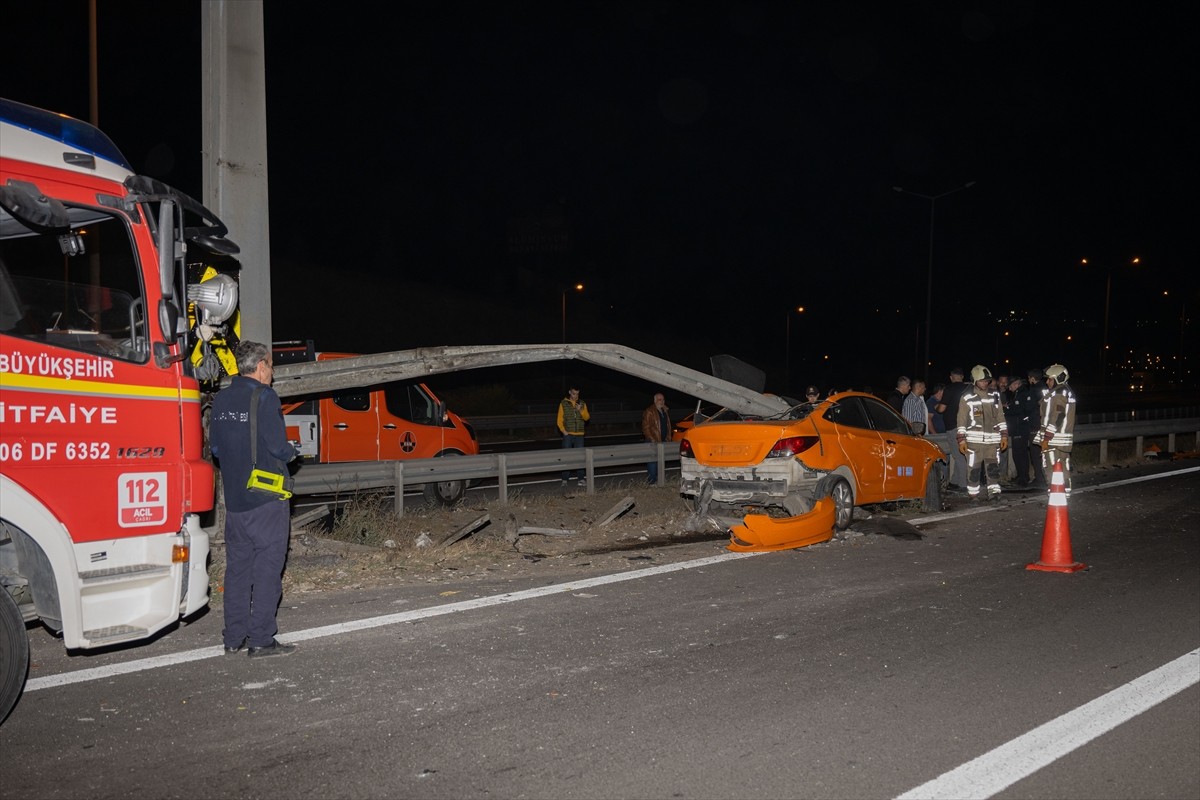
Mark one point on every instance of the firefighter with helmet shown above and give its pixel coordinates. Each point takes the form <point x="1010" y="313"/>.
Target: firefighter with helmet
<point x="1056" y="431"/>
<point x="982" y="435"/>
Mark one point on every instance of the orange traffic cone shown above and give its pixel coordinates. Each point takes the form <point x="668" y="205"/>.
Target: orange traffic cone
<point x="1056" y="536"/>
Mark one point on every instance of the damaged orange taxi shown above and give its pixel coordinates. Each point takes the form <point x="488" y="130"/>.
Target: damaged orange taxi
<point x="795" y="479"/>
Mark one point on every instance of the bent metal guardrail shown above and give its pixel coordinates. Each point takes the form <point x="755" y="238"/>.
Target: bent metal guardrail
<point x="353" y="476"/>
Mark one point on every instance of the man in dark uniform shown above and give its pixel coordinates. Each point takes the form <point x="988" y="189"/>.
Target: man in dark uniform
<point x="1020" y="414"/>
<point x="951" y="395"/>
<point x="257" y="524"/>
<point x="1038" y="390"/>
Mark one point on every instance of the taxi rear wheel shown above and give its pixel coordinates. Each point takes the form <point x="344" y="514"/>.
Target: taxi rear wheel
<point x="843" y="501"/>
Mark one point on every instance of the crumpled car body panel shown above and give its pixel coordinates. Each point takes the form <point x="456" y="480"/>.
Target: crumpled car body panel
<point x="760" y="533"/>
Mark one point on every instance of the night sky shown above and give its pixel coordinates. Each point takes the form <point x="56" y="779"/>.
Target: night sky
<point x="440" y="174"/>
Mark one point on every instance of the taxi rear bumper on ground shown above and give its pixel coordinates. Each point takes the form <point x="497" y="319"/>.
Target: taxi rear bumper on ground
<point x="760" y="533"/>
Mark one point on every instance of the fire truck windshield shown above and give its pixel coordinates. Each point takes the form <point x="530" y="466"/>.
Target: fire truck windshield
<point x="80" y="290"/>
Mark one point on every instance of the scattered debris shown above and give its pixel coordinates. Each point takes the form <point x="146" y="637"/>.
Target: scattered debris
<point x="544" y="531"/>
<point x="300" y="520"/>
<point x="617" y="510"/>
<point x="888" y="526"/>
<point x="470" y="527"/>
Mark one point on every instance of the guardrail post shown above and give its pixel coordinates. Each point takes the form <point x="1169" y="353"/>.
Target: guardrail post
<point x="1170" y="443"/>
<point x="589" y="469"/>
<point x="502" y="478"/>
<point x="398" y="471"/>
<point x="1104" y="451"/>
<point x="1139" y="448"/>
<point x="661" y="455"/>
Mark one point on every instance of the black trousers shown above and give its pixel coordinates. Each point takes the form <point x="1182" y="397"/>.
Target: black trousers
<point x="1019" y="445"/>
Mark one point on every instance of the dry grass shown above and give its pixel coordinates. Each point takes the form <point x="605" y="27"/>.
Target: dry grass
<point x="369" y="546"/>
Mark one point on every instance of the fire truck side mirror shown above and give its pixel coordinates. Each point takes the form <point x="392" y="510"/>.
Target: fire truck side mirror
<point x="163" y="357"/>
<point x="166" y="255"/>
<point x="26" y="203"/>
<point x="168" y="319"/>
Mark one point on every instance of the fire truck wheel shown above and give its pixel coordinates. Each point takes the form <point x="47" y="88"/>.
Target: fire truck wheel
<point x="14" y="653"/>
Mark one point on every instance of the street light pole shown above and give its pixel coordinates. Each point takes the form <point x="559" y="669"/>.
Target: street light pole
<point x="577" y="287"/>
<point x="787" y="350"/>
<point x="929" y="282"/>
<point x="1107" y="298"/>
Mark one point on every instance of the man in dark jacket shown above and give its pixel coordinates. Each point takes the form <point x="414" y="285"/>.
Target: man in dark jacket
<point x="900" y="394"/>
<point x="1020" y="414"/>
<point x="257" y="523"/>
<point x="1037" y="390"/>
<point x="656" y="427"/>
<point x="951" y="396"/>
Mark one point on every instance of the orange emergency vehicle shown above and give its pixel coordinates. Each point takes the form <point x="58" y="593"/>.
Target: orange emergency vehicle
<point x="102" y="474"/>
<point x="390" y="422"/>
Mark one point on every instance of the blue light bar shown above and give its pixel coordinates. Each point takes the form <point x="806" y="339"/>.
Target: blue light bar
<point x="74" y="133"/>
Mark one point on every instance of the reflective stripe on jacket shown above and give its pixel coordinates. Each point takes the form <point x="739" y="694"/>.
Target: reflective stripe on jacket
<point x="1058" y="418"/>
<point x="981" y="418"/>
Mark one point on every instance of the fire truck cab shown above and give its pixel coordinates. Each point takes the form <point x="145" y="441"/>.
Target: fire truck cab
<point x="102" y="473"/>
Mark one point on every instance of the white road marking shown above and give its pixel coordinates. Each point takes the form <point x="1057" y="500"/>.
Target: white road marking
<point x="993" y="772"/>
<point x="1036" y="497"/>
<point x="99" y="673"/>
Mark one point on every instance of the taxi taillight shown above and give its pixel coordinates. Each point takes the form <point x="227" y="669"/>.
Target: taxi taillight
<point x="792" y="446"/>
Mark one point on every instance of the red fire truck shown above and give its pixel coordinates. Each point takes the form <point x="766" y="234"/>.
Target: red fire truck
<point x="102" y="474"/>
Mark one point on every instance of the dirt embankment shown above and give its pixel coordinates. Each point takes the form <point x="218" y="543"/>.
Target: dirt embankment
<point x="370" y="546"/>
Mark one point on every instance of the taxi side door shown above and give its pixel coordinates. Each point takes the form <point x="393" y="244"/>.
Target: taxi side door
<point x="862" y="448"/>
<point x="902" y="452"/>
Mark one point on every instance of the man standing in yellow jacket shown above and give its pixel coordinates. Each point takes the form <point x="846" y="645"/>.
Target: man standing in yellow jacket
<point x="572" y="415"/>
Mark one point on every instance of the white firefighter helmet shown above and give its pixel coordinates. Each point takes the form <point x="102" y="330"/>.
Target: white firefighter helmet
<point x="980" y="373"/>
<point x="1058" y="372"/>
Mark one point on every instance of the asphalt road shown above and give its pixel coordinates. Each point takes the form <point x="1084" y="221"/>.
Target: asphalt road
<point x="874" y="666"/>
